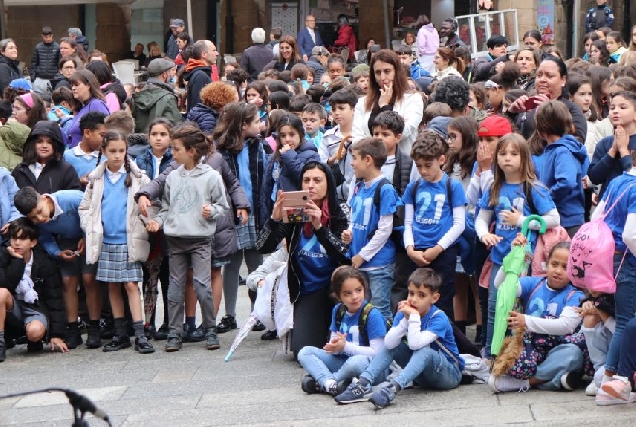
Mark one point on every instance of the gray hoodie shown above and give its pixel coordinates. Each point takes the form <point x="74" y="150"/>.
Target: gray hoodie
<point x="185" y="194"/>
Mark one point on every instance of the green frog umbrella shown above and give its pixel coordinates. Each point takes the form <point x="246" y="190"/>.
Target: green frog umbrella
<point x="514" y="265"/>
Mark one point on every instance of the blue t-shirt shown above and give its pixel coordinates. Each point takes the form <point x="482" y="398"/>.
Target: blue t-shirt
<point x="365" y="217"/>
<point x="542" y="301"/>
<point x="315" y="265"/>
<point x="437" y="322"/>
<point x="513" y="195"/>
<point x="615" y="220"/>
<point x="376" y="326"/>
<point x="432" y="217"/>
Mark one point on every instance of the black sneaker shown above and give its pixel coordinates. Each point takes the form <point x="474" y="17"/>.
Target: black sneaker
<point x="93" y="338"/>
<point x="211" y="340"/>
<point x="242" y="281"/>
<point x="35" y="347"/>
<point x="119" y="342"/>
<point x="190" y="335"/>
<point x="227" y="324"/>
<point x="173" y="343"/>
<point x="269" y="336"/>
<point x="3" y="351"/>
<point x="258" y="327"/>
<point x="309" y="385"/>
<point x="142" y="346"/>
<point x="572" y="380"/>
<point x="162" y="333"/>
<point x="73" y="338"/>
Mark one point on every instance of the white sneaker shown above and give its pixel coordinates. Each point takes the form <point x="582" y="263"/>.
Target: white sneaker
<point x="591" y="389"/>
<point x="504" y="383"/>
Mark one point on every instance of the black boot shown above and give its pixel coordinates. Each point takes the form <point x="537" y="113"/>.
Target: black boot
<point x="93" y="339"/>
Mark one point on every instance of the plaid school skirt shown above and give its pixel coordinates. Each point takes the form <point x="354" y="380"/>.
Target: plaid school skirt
<point x="113" y="265"/>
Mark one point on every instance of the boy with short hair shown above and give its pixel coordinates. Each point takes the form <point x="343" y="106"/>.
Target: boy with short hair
<point x="421" y="341"/>
<point x="370" y="249"/>
<point x="336" y="142"/>
<point x="314" y="118"/>
<point x="83" y="157"/>
<point x="361" y="79"/>
<point x="297" y="103"/>
<point x="30" y="289"/>
<point x="57" y="218"/>
<point x="335" y="66"/>
<point x="414" y="69"/>
<point x="434" y="215"/>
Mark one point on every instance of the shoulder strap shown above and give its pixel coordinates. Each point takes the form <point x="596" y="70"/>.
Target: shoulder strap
<point x="618" y="199"/>
<point x="536" y="289"/>
<point x="416" y="187"/>
<point x="449" y="193"/>
<point x="378" y="190"/>
<point x="340" y="315"/>
<point x="362" y="323"/>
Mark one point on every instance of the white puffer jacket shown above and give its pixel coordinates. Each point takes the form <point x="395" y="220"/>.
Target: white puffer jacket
<point x="90" y="213"/>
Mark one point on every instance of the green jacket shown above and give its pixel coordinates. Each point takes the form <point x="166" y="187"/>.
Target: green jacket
<point x="13" y="136"/>
<point x="156" y="100"/>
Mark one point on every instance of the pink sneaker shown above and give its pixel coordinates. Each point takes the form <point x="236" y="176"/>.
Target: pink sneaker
<point x="618" y="387"/>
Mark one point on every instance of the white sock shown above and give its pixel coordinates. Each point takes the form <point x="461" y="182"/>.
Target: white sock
<point x="329" y="384"/>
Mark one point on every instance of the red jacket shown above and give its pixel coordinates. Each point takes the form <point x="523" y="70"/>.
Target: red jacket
<point x="346" y="38"/>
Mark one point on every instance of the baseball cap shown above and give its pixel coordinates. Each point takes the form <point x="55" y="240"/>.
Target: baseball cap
<point x="159" y="66"/>
<point x="175" y="23"/>
<point x="23" y="84"/>
<point x="494" y="126"/>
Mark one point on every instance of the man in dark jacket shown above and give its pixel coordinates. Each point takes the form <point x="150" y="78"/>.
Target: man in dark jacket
<point x="198" y="71"/>
<point x="318" y="61"/>
<point x="44" y="62"/>
<point x="157" y="99"/>
<point x="486" y="66"/>
<point x="448" y="29"/>
<point x="177" y="26"/>
<point x="257" y="56"/>
<point x="30" y="289"/>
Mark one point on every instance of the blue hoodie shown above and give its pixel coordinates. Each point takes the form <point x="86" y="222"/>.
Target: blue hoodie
<point x="563" y="165"/>
<point x="8" y="188"/>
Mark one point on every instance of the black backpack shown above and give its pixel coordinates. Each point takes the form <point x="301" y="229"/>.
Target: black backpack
<point x="362" y="321"/>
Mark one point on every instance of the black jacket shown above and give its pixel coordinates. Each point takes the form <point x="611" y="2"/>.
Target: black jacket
<point x="44" y="61"/>
<point x="48" y="285"/>
<point x="255" y="58"/>
<point x="8" y="71"/>
<point x="58" y="174"/>
<point x="197" y="79"/>
<point x="315" y="65"/>
<point x="526" y="122"/>
<point x="59" y="81"/>
<point x="280" y="66"/>
<point x="205" y="117"/>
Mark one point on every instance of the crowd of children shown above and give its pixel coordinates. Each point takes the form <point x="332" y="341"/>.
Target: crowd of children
<point x="408" y="217"/>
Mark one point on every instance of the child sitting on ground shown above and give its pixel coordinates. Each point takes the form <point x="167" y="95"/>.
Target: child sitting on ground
<point x="357" y="335"/>
<point x="421" y="341"/>
<point x="550" y="358"/>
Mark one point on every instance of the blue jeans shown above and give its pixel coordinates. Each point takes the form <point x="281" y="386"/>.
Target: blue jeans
<point x="627" y="364"/>
<point x="492" y="307"/>
<point x="380" y="284"/>
<point x="561" y="359"/>
<point x="429" y="368"/>
<point x="324" y="366"/>
<point x="625" y="304"/>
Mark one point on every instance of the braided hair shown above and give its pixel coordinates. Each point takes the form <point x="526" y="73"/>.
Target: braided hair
<point x="113" y="135"/>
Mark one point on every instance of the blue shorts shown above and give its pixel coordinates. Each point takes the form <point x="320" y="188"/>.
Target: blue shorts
<point x="26" y="313"/>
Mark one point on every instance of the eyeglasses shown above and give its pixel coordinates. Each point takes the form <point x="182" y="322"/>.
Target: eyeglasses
<point x="452" y="136"/>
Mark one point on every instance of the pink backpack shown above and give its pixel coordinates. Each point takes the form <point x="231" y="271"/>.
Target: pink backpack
<point x="591" y="261"/>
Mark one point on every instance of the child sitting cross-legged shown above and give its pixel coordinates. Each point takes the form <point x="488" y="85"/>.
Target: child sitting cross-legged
<point x="349" y="349"/>
<point x="421" y="341"/>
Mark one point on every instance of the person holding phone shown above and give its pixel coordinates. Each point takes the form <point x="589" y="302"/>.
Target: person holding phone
<point x="388" y="91"/>
<point x="551" y="79"/>
<point x="315" y="250"/>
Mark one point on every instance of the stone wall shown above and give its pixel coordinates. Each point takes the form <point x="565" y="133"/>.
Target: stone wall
<point x="371" y="21"/>
<point x="24" y="25"/>
<point x="247" y="15"/>
<point x="112" y="35"/>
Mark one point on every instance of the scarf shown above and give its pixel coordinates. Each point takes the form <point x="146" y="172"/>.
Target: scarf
<point x="25" y="289"/>
<point x="522" y="81"/>
<point x="308" y="229"/>
<point x="194" y="63"/>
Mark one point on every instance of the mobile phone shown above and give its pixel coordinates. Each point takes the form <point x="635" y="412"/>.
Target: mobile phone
<point x="530" y="103"/>
<point x="76" y="253"/>
<point x="294" y="203"/>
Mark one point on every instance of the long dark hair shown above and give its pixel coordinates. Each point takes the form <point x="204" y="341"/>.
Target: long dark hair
<point x="467" y="126"/>
<point x="332" y="198"/>
<point x="89" y="79"/>
<point x="400" y="82"/>
<point x="228" y="133"/>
